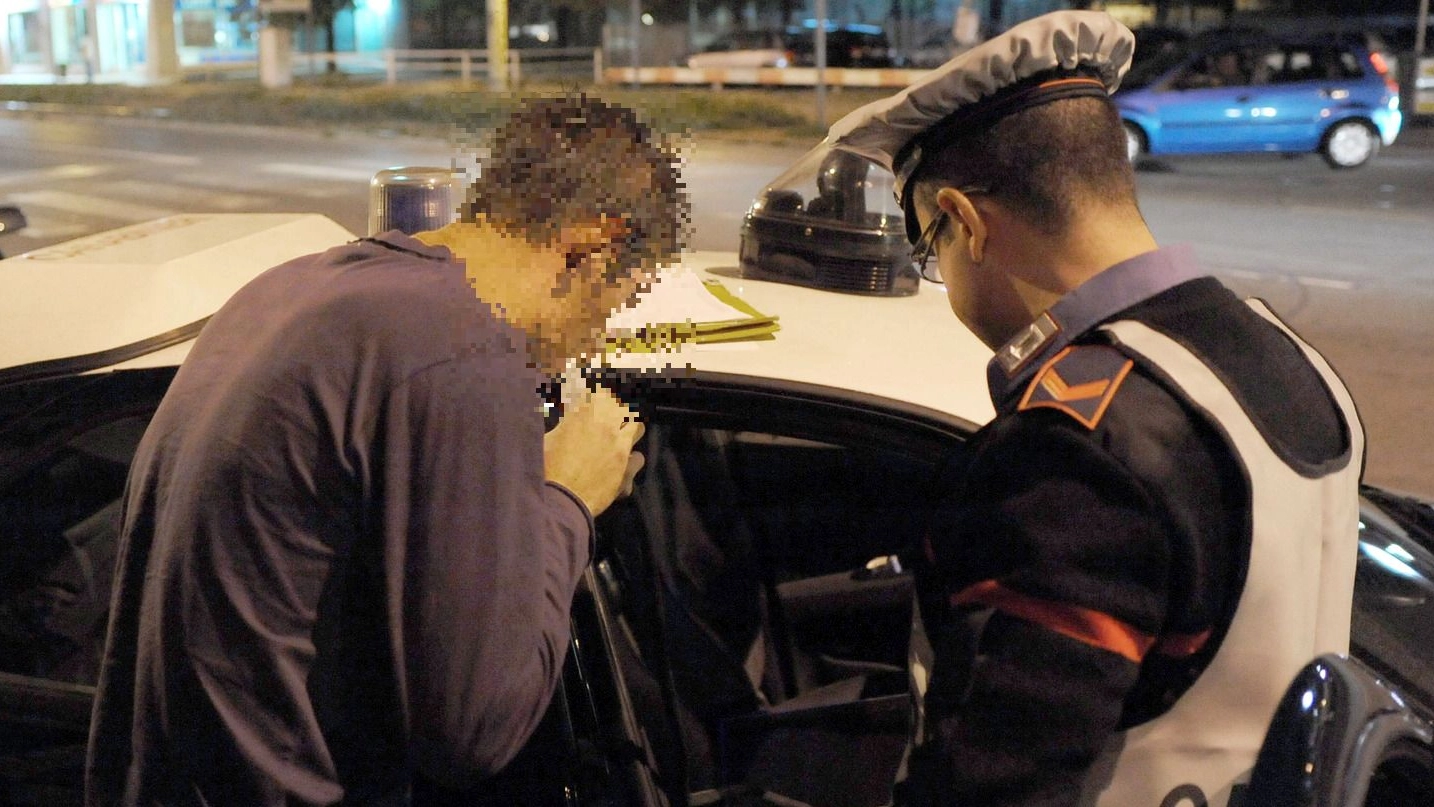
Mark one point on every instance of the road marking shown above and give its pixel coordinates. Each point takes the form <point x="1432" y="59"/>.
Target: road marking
<point x="1231" y="260"/>
<point x="124" y="154"/>
<point x="1243" y="274"/>
<point x="185" y="197"/>
<point x="1380" y="216"/>
<point x="1303" y="280"/>
<point x="1325" y="282"/>
<point x="327" y="172"/>
<point x="259" y="184"/>
<point x="57" y="172"/>
<point x="85" y="205"/>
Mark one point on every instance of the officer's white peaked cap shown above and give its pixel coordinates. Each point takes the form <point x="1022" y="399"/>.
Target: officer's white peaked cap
<point x="979" y="85"/>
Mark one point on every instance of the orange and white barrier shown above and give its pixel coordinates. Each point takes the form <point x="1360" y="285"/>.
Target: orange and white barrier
<point x="1424" y="87"/>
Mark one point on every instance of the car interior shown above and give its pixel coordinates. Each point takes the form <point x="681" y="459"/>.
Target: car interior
<point x="65" y="448"/>
<point x="746" y="620"/>
<point x="756" y="602"/>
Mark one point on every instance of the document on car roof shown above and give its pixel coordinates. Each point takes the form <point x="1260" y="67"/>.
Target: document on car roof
<point x="684" y="307"/>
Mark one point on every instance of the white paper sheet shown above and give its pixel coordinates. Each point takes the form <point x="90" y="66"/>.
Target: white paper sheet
<point x="678" y="296"/>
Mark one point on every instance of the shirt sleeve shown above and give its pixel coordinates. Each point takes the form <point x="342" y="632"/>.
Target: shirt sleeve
<point x="484" y="556"/>
<point x="1042" y="588"/>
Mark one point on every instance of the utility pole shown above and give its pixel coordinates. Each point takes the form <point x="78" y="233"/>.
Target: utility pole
<point x="161" y="62"/>
<point x="819" y="46"/>
<point x="1421" y="25"/>
<point x="498" y="45"/>
<point x="634" y="13"/>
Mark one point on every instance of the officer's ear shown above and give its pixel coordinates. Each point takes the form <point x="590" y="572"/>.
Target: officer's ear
<point x="968" y="223"/>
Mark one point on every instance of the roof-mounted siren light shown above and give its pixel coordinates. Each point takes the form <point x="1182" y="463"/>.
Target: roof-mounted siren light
<point x="412" y="199"/>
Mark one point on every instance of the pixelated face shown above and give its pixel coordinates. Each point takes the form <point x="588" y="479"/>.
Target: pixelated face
<point x="603" y="281"/>
<point x="569" y="162"/>
<point x="589" y="184"/>
<point x="565" y="291"/>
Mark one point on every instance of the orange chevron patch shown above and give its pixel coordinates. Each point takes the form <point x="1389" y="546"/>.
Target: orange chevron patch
<point x="1080" y="381"/>
<point x="1061" y="391"/>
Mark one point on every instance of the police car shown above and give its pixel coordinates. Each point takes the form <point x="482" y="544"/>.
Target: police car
<point x="742" y="635"/>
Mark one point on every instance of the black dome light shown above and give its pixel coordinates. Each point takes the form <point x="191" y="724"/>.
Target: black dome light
<point x="830" y="222"/>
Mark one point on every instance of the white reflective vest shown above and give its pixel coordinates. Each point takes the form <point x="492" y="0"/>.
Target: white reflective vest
<point x="1294" y="606"/>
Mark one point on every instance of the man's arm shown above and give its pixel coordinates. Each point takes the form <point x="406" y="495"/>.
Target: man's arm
<point x="482" y="585"/>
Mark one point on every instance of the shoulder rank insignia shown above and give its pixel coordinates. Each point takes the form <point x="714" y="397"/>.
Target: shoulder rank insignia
<point x="1079" y="381"/>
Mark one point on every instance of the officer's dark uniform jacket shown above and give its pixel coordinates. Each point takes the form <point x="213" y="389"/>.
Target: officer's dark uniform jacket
<point x="1154" y="534"/>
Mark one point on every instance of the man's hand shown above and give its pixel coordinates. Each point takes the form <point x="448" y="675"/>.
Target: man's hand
<point x="590" y="451"/>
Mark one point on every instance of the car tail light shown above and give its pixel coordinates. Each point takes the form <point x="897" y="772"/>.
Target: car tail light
<point x="1381" y="66"/>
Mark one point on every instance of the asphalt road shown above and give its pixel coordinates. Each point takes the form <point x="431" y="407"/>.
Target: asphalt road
<point x="1347" y="257"/>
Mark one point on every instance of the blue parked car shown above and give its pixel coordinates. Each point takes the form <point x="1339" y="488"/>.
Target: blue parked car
<point x="1334" y="94"/>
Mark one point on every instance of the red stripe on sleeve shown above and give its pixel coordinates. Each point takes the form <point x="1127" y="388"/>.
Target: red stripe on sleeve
<point x="1082" y="624"/>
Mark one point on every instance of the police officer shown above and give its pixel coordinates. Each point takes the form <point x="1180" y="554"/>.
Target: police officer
<point x="1159" y="527"/>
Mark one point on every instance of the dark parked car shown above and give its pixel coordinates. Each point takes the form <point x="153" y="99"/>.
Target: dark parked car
<point x="741" y="638"/>
<point x="1245" y="91"/>
<point x="854" y="45"/>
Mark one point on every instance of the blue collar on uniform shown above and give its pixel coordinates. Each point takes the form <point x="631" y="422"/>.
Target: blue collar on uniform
<point x="1095" y="301"/>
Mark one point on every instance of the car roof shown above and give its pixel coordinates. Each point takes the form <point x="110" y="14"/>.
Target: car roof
<point x="909" y="349"/>
<point x="98" y="301"/>
<point x="85" y="298"/>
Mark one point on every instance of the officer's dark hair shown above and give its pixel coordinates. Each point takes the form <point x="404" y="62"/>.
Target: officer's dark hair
<point x="572" y="159"/>
<point x="1042" y="162"/>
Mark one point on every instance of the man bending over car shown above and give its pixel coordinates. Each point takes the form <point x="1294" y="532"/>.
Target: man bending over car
<point x="348" y="550"/>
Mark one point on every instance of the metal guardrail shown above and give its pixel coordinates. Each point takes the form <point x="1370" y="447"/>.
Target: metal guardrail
<point x="717" y="77"/>
<point x="396" y="64"/>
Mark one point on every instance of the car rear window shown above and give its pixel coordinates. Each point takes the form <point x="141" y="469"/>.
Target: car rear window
<point x="1156" y="66"/>
<point x="1312" y="63"/>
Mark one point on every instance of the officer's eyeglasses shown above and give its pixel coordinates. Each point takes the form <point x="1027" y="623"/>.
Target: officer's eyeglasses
<point x="923" y="252"/>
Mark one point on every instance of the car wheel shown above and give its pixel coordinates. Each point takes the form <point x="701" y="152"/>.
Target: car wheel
<point x="1134" y="142"/>
<point x="1349" y="144"/>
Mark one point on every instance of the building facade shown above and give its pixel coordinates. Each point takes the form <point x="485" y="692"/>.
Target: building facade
<point x="79" y="40"/>
<point x="107" y="40"/>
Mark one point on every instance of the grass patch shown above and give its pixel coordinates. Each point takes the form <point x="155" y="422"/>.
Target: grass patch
<point x="434" y="108"/>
